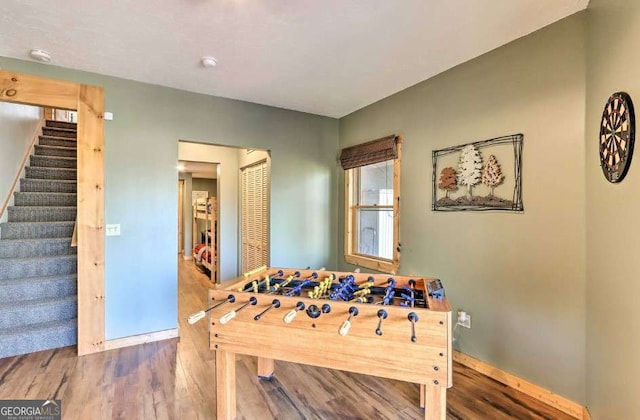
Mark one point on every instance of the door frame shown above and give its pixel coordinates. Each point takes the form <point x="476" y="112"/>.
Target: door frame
<point x="88" y="101"/>
<point x="181" y="217"/>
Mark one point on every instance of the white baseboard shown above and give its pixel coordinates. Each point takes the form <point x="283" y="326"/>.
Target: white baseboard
<point x="134" y="340"/>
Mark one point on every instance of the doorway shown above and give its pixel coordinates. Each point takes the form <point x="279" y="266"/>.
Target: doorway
<point x="88" y="102"/>
<point x="231" y="163"/>
<point x="197" y="215"/>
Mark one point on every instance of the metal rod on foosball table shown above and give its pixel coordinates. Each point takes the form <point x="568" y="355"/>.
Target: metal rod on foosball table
<point x="278" y="286"/>
<point x="230" y="315"/>
<point x="193" y="318"/>
<point x="409" y="300"/>
<point x="304" y="283"/>
<point x="367" y="284"/>
<point x="413" y="317"/>
<point x="274" y="304"/>
<point x="382" y="314"/>
<point x="256" y="286"/>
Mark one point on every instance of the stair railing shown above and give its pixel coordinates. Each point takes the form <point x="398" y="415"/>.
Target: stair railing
<point x="36" y="133"/>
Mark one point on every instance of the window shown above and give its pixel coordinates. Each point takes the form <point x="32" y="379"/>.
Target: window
<point x="372" y="199"/>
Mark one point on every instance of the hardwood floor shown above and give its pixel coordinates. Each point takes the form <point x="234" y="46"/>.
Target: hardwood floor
<point x="173" y="380"/>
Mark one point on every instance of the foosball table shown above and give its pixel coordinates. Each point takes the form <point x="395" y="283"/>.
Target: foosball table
<point x="328" y="319"/>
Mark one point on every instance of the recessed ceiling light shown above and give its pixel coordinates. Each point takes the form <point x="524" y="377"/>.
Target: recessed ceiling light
<point x="208" y="61"/>
<point x="40" y="55"/>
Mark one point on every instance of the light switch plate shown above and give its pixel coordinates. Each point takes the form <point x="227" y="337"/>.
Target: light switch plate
<point x="108" y="116"/>
<point x="113" y="230"/>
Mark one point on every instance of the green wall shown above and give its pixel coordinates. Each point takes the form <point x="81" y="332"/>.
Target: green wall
<point x="141" y="154"/>
<point x="613" y="229"/>
<point x="521" y="276"/>
<point x="204" y="184"/>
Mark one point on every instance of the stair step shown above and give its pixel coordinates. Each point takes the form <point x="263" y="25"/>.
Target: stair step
<point x="53" y="162"/>
<point x="36" y="337"/>
<point x="48" y="185"/>
<point x="49" y="287"/>
<point x="19" y="268"/>
<point x="57" y="141"/>
<point x="35" y="230"/>
<point x="55" y="151"/>
<point x="42" y="213"/>
<point x="59" y="132"/>
<point x="25" y="248"/>
<point x="29" y="312"/>
<point x="45" y="199"/>
<point x="50" y="173"/>
<point x="61" y="124"/>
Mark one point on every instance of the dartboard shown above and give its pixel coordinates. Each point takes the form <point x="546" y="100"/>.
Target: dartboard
<point x="617" y="135"/>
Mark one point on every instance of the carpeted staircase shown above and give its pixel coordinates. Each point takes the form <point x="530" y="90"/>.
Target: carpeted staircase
<point x="38" y="266"/>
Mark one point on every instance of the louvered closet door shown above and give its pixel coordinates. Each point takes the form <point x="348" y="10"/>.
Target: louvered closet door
<point x="255" y="216"/>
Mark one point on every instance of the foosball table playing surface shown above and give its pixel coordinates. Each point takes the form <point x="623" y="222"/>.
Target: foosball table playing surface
<point x="330" y="319"/>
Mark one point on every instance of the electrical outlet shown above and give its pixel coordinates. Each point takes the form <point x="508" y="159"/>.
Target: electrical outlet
<point x="464" y="319"/>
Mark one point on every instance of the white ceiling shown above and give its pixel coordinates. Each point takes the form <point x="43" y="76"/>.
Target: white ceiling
<point x="327" y="57"/>
<point x="200" y="169"/>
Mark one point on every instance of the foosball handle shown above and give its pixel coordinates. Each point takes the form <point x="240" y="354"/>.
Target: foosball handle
<point x="346" y="325"/>
<point x="344" y="329"/>
<point x="230" y="315"/>
<point x="291" y="315"/>
<point x="195" y="317"/>
<point x="227" y="317"/>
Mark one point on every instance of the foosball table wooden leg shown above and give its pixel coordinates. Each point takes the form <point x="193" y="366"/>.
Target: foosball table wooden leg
<point x="265" y="368"/>
<point x="225" y="385"/>
<point x="435" y="402"/>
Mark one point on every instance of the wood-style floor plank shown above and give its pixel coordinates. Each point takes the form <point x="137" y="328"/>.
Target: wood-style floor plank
<point x="174" y="379"/>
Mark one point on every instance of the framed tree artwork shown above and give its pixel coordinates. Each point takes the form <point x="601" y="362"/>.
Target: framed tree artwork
<point x="480" y="176"/>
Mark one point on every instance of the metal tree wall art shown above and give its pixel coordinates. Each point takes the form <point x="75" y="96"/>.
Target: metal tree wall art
<point x="492" y="186"/>
<point x="492" y="174"/>
<point x="469" y="167"/>
<point x="448" y="180"/>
